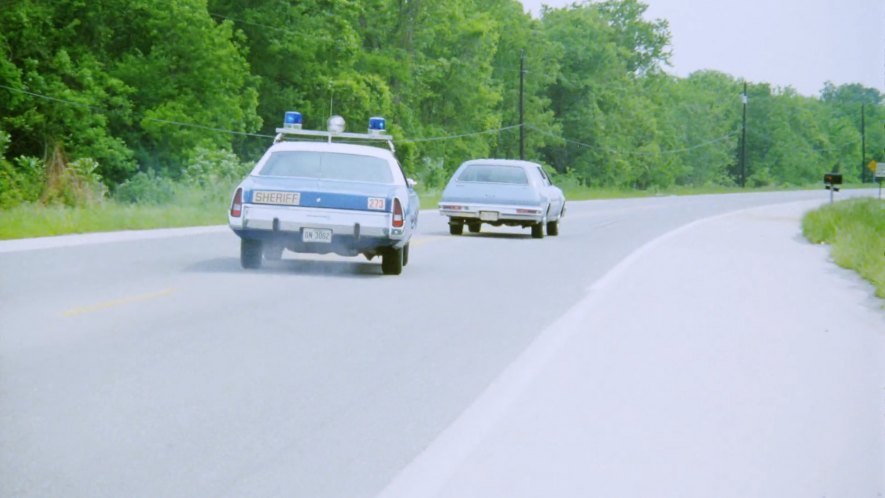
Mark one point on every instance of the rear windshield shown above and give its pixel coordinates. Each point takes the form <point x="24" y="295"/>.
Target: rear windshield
<point x="328" y="166"/>
<point x="494" y="173"/>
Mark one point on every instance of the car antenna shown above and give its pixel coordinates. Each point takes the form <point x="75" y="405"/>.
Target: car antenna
<point x="331" y="102"/>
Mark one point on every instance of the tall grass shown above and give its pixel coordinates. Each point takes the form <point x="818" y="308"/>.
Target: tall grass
<point x="855" y="230"/>
<point x="36" y="220"/>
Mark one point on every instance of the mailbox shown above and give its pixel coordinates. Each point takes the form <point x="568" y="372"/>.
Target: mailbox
<point x="833" y="178"/>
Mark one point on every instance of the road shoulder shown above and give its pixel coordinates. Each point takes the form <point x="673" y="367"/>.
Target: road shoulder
<point x="727" y="358"/>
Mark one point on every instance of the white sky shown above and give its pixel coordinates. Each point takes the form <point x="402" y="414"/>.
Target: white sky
<point x="800" y="43"/>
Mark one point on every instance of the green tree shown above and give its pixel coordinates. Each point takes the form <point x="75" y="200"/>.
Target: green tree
<point x="190" y="76"/>
<point x="58" y="92"/>
<point x="518" y="33"/>
<point x="703" y="118"/>
<point x="603" y="97"/>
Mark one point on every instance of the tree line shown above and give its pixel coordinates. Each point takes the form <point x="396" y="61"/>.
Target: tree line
<point x="103" y="93"/>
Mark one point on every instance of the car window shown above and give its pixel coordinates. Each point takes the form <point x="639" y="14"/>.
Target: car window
<point x="544" y="177"/>
<point x="493" y="173"/>
<point x="328" y="166"/>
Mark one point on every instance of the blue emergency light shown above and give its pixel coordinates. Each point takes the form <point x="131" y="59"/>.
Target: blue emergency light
<point x="292" y="119"/>
<point x="376" y="125"/>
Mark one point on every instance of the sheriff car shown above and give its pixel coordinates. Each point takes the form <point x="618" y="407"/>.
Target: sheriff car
<point x="326" y="192"/>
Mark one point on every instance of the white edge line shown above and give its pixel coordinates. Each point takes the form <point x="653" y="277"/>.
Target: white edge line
<point x="426" y="475"/>
<point x="82" y="239"/>
<point x="74" y="240"/>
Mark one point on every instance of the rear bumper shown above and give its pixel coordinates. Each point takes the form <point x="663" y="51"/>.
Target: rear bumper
<point x="359" y="230"/>
<point x="492" y="213"/>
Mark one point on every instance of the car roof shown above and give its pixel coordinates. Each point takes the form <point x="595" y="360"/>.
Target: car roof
<point x="341" y="148"/>
<point x="503" y="162"/>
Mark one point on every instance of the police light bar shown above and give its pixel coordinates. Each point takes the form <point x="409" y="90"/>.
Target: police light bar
<point x="335" y="129"/>
<point x="292" y="120"/>
<point x="377" y="125"/>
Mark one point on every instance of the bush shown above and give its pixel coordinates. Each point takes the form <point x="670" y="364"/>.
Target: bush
<point x="761" y="178"/>
<point x="75" y="183"/>
<point x="146" y="188"/>
<point x="433" y="174"/>
<point x="566" y="181"/>
<point x="21" y="181"/>
<point x="214" y="167"/>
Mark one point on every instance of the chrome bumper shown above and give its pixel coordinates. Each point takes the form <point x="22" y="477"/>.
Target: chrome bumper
<point x="491" y="212"/>
<point x="292" y="219"/>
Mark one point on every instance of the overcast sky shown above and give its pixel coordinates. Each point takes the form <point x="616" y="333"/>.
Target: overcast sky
<point x="800" y="43"/>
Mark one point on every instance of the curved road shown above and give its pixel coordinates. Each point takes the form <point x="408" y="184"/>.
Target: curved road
<point x="158" y="367"/>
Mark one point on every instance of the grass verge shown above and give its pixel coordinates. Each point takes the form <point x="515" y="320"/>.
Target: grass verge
<point x="430" y="197"/>
<point x="34" y="220"/>
<point x="855" y="231"/>
<point x="195" y="208"/>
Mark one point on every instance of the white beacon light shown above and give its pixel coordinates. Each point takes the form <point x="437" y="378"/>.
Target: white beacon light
<point x="336" y="124"/>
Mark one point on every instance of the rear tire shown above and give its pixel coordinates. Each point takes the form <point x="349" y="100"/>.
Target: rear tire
<point x="250" y="253"/>
<point x="392" y="261"/>
<point x="474" y="227"/>
<point x="553" y="228"/>
<point x="538" y="231"/>
<point x="456" y="228"/>
<point x="405" y="254"/>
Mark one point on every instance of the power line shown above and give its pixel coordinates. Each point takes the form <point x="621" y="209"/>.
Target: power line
<point x="635" y="152"/>
<point x="209" y="128"/>
<point x="54" y="99"/>
<point x="462" y="135"/>
<point x="696" y="146"/>
<point x="232" y="132"/>
<point x="234" y="19"/>
<point x="414" y="140"/>
<point x="147" y="118"/>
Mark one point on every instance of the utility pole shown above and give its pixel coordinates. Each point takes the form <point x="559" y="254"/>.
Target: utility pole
<point x="521" y="107"/>
<point x="863" y="146"/>
<point x="744" y="139"/>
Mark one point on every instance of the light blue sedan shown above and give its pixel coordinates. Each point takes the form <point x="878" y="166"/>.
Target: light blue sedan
<point x="321" y="197"/>
<point x="502" y="192"/>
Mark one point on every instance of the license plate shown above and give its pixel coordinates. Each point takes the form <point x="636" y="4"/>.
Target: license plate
<point x="488" y="215"/>
<point x="316" y="235"/>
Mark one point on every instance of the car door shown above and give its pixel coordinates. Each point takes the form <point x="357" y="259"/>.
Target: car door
<point x="552" y="193"/>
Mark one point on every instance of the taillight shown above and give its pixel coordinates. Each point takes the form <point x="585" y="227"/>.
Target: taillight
<point x="397" y="214"/>
<point x="236" y="207"/>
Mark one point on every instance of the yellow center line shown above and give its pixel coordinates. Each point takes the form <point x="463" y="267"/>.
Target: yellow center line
<point x="120" y="302"/>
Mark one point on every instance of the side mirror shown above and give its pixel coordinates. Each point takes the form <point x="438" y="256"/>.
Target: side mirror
<point x="411" y="183"/>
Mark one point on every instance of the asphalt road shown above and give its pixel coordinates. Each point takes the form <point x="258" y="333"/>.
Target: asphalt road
<point x="158" y="367"/>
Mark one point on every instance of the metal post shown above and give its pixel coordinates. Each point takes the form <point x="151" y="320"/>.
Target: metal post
<point x="863" y="145"/>
<point x="744" y="139"/>
<point x="521" y="107"/>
